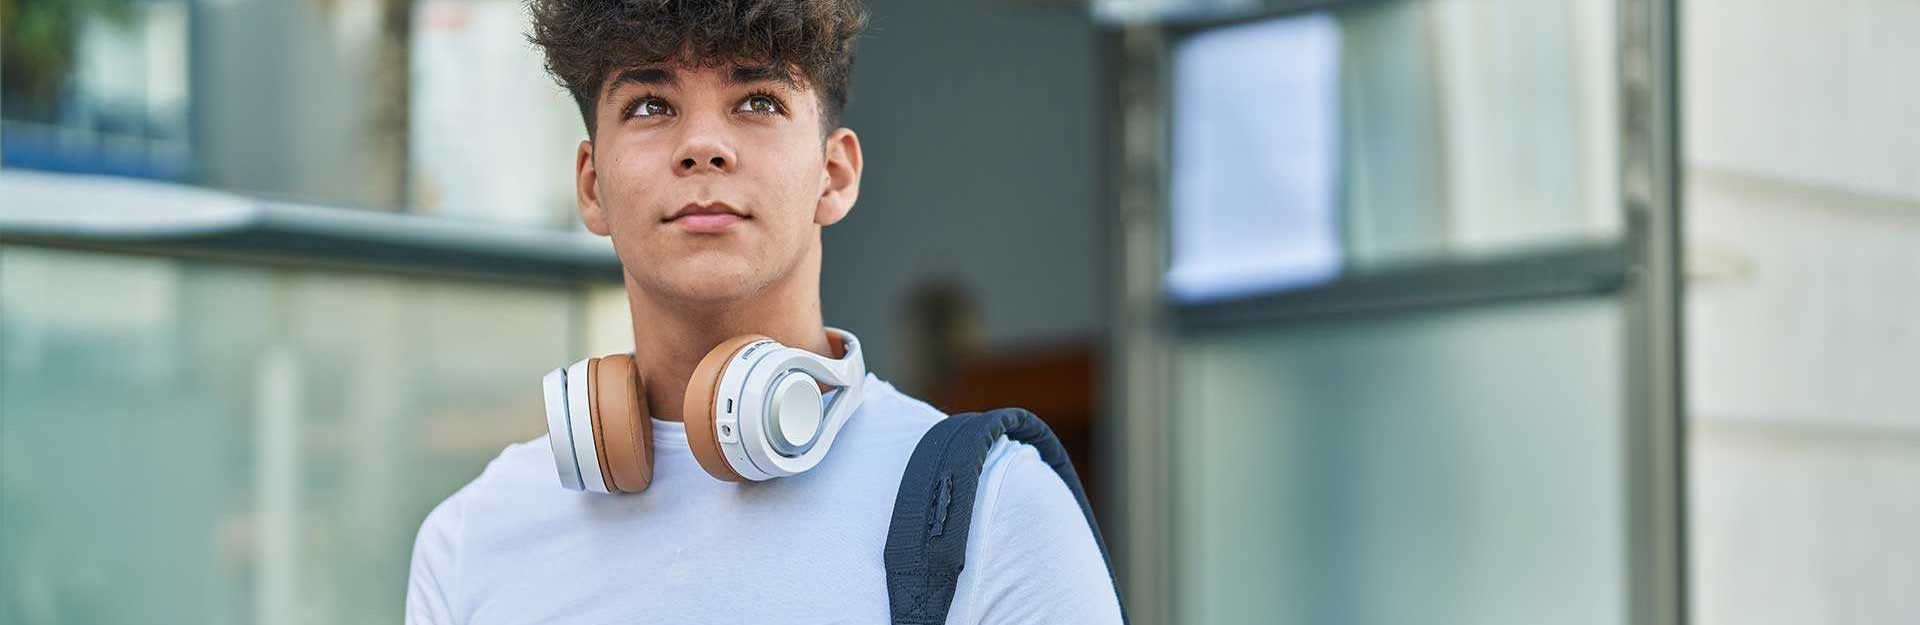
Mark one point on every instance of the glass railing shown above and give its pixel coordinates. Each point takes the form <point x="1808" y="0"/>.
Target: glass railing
<point x="219" y="416"/>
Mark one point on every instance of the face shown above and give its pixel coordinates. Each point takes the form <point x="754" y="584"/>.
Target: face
<point x="713" y="182"/>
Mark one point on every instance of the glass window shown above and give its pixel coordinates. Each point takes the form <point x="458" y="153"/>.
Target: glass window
<point x="214" y="443"/>
<point x="440" y="107"/>
<point x="1459" y="466"/>
<point x="98" y="88"/>
<point x="1384" y="134"/>
<point x="1255" y="158"/>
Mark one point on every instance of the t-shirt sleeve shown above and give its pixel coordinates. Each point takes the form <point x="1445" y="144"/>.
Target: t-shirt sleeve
<point x="1031" y="557"/>
<point x="431" y="578"/>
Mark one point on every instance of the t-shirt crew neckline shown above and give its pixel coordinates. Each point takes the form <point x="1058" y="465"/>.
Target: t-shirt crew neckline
<point x="669" y="433"/>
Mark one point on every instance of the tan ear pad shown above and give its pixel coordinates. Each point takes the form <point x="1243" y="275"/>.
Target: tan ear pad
<point x="698" y="411"/>
<point x="836" y="346"/>
<point x="621" y="424"/>
<point x="837" y="349"/>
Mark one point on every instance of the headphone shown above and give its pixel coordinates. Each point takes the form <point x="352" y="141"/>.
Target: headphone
<point x="754" y="410"/>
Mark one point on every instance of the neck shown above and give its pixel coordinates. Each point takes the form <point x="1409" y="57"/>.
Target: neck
<point x="671" y="336"/>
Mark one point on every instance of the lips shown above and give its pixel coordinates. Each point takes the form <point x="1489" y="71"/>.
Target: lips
<point x="706" y="217"/>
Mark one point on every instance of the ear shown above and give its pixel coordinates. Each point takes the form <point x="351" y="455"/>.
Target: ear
<point x="587" y="190"/>
<point x="840" y="182"/>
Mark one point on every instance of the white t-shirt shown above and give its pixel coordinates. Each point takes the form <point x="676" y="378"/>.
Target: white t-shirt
<point x="513" y="546"/>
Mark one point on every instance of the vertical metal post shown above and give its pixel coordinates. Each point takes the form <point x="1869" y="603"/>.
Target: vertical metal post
<point x="276" y="484"/>
<point x="1655" y="420"/>
<point x="1139" y="380"/>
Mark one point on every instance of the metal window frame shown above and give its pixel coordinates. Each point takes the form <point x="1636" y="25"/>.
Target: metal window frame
<point x="163" y="219"/>
<point x="1140" y="379"/>
<point x="1643" y="269"/>
<point x="1655" y="372"/>
<point x="1590" y="269"/>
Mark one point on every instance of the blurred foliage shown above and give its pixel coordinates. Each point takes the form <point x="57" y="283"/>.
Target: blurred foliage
<point x="37" y="48"/>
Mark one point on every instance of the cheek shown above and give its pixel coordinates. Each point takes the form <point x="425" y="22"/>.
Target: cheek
<point x="797" y="205"/>
<point x="628" y="195"/>
<point x="799" y="185"/>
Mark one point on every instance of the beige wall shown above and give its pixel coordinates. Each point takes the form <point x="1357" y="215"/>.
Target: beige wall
<point x="1803" y="330"/>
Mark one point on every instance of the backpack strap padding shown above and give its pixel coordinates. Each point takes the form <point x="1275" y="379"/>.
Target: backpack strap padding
<point x="927" y="543"/>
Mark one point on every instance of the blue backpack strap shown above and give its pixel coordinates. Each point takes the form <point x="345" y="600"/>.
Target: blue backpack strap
<point x="927" y="544"/>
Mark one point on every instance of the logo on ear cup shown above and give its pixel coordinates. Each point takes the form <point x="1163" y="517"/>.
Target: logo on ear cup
<point x="755" y="349"/>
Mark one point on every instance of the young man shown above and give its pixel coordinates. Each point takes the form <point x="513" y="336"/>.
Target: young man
<point x="714" y="157"/>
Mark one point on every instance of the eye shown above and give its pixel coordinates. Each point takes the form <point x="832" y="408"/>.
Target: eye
<point x="759" y="103"/>
<point x="649" y="106"/>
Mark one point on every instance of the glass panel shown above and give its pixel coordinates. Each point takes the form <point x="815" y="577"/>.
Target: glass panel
<point x="1458" y="466"/>
<point x="432" y="106"/>
<point x="480" y="100"/>
<point x="1255" y="158"/>
<point x="97" y="87"/>
<point x="1802" y="172"/>
<point x="208" y="443"/>
<point x="1380" y="134"/>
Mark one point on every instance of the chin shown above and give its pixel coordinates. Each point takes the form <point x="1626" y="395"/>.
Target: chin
<point x="709" y="281"/>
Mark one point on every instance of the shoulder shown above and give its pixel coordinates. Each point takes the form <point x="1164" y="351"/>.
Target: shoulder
<point x="439" y="544"/>
<point x="894" y="414"/>
<point x="1018" y="489"/>
<point x="1032" y="556"/>
<point x="888" y="425"/>
<point x="435" y="573"/>
<point x="515" y="467"/>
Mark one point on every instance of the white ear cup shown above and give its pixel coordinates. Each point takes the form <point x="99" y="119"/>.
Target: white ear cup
<point x="559" y="430"/>
<point x="771" y="419"/>
<point x="586" y="454"/>
<point x="795" y="410"/>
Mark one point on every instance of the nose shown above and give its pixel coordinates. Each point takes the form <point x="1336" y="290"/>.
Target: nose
<point x="691" y="164"/>
<point x="704" y="149"/>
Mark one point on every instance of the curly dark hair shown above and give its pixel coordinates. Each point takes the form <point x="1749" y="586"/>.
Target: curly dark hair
<point x="587" y="40"/>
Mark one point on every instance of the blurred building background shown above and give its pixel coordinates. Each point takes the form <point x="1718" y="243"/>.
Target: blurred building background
<point x="1369" y="311"/>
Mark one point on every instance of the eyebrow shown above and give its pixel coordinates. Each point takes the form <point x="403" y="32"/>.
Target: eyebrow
<point x="642" y="76"/>
<point x="741" y="75"/>
<point x="748" y="74"/>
